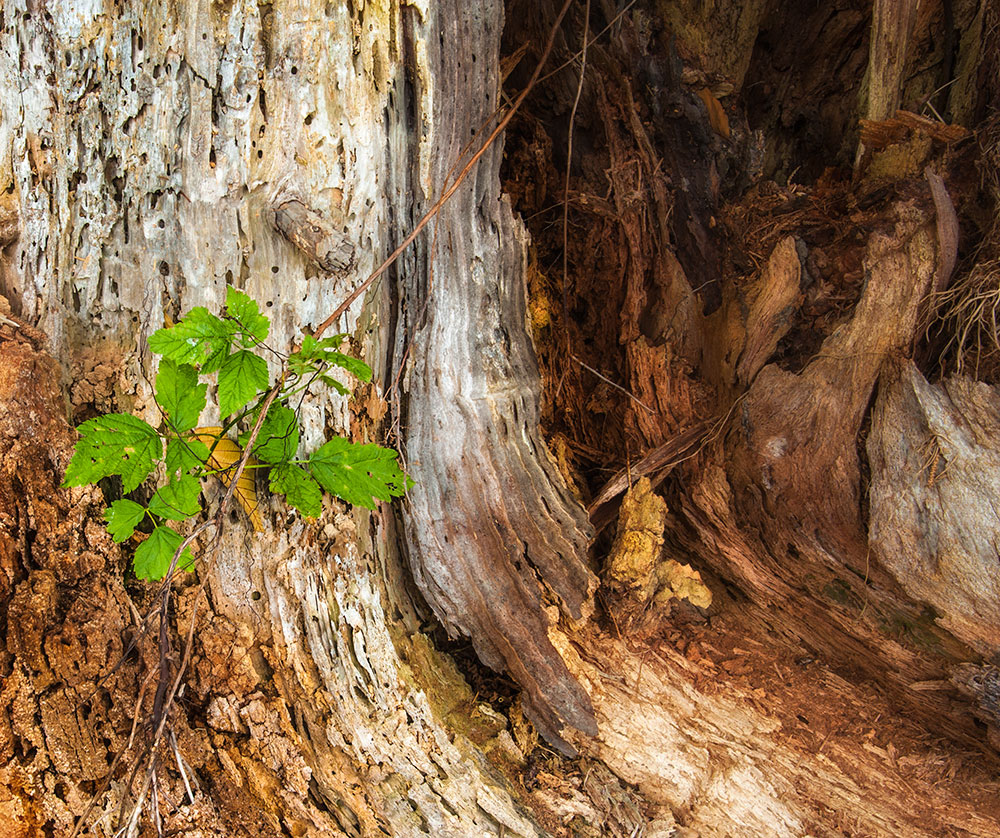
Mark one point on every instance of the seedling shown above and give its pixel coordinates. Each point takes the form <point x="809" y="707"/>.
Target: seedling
<point x="230" y="347"/>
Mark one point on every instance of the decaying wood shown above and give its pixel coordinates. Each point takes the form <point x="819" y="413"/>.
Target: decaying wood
<point x="892" y="27"/>
<point x="947" y="232"/>
<point x="981" y="683"/>
<point x="493" y="532"/>
<point x="934" y="451"/>
<point x="792" y="468"/>
<point x="10" y="219"/>
<point x="329" y="249"/>
<point x="771" y="303"/>
<point x="803" y="427"/>
<point x="315" y="703"/>
<point x="65" y="610"/>
<point x="654" y="465"/>
<point x="880" y="134"/>
<point x="794" y="720"/>
<point x="722" y="737"/>
<point x="296" y="749"/>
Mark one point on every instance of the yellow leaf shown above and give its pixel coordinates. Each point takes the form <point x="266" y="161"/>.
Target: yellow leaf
<point x="716" y="115"/>
<point x="224" y="457"/>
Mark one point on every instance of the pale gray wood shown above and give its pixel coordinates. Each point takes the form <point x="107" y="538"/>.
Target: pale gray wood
<point x="146" y="146"/>
<point x="935" y="494"/>
<point x="493" y="533"/>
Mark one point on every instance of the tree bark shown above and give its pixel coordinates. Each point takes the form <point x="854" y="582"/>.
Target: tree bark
<point x="152" y="155"/>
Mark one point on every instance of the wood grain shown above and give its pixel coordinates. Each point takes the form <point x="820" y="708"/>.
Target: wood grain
<point x="494" y="534"/>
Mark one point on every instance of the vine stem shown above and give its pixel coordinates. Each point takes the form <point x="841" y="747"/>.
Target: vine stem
<point x="440" y="202"/>
<point x="160" y="713"/>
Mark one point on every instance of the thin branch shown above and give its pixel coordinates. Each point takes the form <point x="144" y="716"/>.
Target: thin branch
<point x="569" y="166"/>
<point x="607" y="380"/>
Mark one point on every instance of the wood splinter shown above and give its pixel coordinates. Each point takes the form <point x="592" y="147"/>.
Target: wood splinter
<point x="313" y="235"/>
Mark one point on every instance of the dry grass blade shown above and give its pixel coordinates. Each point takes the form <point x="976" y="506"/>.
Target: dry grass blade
<point x="970" y="310"/>
<point x="180" y="767"/>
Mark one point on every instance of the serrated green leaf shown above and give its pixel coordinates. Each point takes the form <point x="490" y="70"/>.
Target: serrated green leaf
<point x="217" y="356"/>
<point x="114" y="444"/>
<point x="152" y="557"/>
<point x="278" y="439"/>
<point x="246" y="313"/>
<point x="122" y="517"/>
<point x="242" y="376"/>
<point x="359" y="474"/>
<point x="299" y="489"/>
<point x="330" y="381"/>
<point x="311" y="347"/>
<point x="359" y="369"/>
<point x="317" y="355"/>
<point x="177" y="500"/>
<point x="185" y="454"/>
<point x="179" y="394"/>
<point x="199" y="338"/>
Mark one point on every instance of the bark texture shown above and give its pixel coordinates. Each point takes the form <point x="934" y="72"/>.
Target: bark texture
<point x="152" y="154"/>
<point x="933" y="455"/>
<point x="494" y="535"/>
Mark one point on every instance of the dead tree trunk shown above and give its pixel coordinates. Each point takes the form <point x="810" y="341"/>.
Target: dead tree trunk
<point x="150" y="156"/>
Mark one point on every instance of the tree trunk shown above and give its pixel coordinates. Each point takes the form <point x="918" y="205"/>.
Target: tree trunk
<point x="826" y="667"/>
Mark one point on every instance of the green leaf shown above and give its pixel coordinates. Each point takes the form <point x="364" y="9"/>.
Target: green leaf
<point x="318" y="355"/>
<point x="246" y="313"/>
<point x="303" y="365"/>
<point x="185" y="454"/>
<point x="330" y="381"/>
<point x="178" y="499"/>
<point x="278" y="439"/>
<point x="241" y="377"/>
<point x="199" y="338"/>
<point x="122" y="517"/>
<point x="312" y="348"/>
<point x="359" y="369"/>
<point x="299" y="489"/>
<point x="152" y="557"/>
<point x="359" y="474"/>
<point x="179" y="394"/>
<point x="114" y="444"/>
<point x="217" y="356"/>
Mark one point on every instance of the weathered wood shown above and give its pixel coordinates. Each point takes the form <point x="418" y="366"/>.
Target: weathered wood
<point x="892" y="27"/>
<point x="793" y="428"/>
<point x="144" y="147"/>
<point x="742" y="740"/>
<point x="934" y="454"/>
<point x="10" y="219"/>
<point x="329" y="249"/>
<point x="767" y="752"/>
<point x="947" y="231"/>
<point x="981" y="683"/>
<point x="656" y="464"/>
<point x="782" y="512"/>
<point x="494" y="534"/>
<point x="771" y="302"/>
